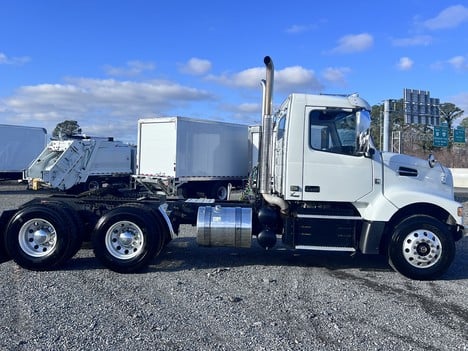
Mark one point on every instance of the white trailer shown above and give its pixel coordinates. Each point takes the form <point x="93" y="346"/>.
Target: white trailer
<point x="82" y="164"/>
<point x="20" y="146"/>
<point x="185" y="156"/>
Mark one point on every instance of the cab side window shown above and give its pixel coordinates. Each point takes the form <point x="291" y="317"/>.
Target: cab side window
<point x="333" y="131"/>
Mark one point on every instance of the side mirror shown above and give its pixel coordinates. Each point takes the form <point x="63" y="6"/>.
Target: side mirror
<point x="431" y="160"/>
<point x="363" y="121"/>
<point x="363" y="133"/>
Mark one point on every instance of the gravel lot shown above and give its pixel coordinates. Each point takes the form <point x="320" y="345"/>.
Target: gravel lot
<point x="197" y="298"/>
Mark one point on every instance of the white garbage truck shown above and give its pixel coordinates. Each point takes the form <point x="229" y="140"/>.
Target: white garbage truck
<point x="82" y="163"/>
<point x="321" y="185"/>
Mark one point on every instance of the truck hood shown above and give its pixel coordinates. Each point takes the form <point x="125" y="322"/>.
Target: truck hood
<point x="417" y="175"/>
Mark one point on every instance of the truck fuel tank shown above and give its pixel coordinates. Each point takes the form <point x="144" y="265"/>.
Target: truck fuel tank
<point x="224" y="226"/>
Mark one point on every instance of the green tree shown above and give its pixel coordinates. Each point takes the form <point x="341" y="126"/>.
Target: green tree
<point x="66" y="129"/>
<point x="449" y="113"/>
<point x="464" y="122"/>
<point x="396" y="120"/>
<point x="376" y="125"/>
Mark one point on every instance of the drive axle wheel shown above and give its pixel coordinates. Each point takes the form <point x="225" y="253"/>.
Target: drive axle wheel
<point x="124" y="240"/>
<point x="421" y="248"/>
<point x="127" y="238"/>
<point x="41" y="236"/>
<point x="37" y="238"/>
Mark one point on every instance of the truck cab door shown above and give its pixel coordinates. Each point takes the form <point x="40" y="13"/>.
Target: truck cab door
<point x="332" y="170"/>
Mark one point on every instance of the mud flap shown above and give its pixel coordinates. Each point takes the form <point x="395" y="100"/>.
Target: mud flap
<point x="5" y="217"/>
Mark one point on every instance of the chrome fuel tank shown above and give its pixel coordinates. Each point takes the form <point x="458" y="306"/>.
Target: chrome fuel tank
<point x="224" y="226"/>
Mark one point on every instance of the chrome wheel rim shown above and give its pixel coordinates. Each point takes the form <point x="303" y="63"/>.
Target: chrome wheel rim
<point x="37" y="238"/>
<point x="422" y="248"/>
<point x="124" y="240"/>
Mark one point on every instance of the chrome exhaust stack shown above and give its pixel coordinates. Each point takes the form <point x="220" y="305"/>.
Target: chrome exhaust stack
<point x="267" y="126"/>
<point x="265" y="174"/>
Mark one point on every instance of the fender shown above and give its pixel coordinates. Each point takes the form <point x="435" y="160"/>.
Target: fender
<point x="406" y="198"/>
<point x="162" y="209"/>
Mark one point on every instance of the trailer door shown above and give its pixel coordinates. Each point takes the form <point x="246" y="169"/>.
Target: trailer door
<point x="157" y="147"/>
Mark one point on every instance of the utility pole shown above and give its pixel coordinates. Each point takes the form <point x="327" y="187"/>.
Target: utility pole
<point x="386" y="126"/>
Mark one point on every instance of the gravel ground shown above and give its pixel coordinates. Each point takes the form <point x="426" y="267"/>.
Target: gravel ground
<point x="196" y="298"/>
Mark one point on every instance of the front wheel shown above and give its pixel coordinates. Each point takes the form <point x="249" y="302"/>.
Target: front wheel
<point x="421" y="247"/>
<point x="127" y="238"/>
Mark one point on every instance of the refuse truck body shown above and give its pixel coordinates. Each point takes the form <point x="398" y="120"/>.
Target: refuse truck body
<point x="82" y="163"/>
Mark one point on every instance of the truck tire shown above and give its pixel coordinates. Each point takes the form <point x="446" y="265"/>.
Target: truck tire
<point x="219" y="191"/>
<point x="183" y="192"/>
<point x="75" y="223"/>
<point x="41" y="237"/>
<point x="163" y="235"/>
<point x="92" y="185"/>
<point x="421" y="248"/>
<point x="3" y="253"/>
<point x="127" y="238"/>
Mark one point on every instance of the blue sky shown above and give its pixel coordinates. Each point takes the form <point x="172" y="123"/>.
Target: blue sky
<point x="107" y="63"/>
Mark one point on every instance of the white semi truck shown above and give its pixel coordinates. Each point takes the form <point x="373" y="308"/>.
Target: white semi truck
<point x="20" y="146"/>
<point x="81" y="163"/>
<point x="185" y="156"/>
<point x="321" y="185"/>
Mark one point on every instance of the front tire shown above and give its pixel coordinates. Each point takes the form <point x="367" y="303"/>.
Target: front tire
<point x="127" y="238"/>
<point x="421" y="248"/>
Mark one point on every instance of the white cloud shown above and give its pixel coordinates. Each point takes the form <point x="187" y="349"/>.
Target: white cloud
<point x="249" y="78"/>
<point x="244" y="109"/>
<point x="296" y="77"/>
<point x="286" y="79"/>
<point x="249" y="107"/>
<point x="336" y="75"/>
<point x="458" y="62"/>
<point x="247" y="112"/>
<point x="418" y="40"/>
<point x="353" y="43"/>
<point x="405" y="64"/>
<point x="299" y="28"/>
<point x="437" y="65"/>
<point x="450" y="17"/>
<point x="196" y="66"/>
<point x="5" y="60"/>
<point x="109" y="106"/>
<point x="132" y="68"/>
<point x="461" y="100"/>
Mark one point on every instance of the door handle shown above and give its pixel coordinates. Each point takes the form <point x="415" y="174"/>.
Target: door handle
<point x="312" y="189"/>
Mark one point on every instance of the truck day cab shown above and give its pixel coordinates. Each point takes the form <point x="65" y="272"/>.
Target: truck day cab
<point x="320" y="185"/>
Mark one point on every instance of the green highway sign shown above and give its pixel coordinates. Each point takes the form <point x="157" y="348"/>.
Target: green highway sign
<point x="459" y="135"/>
<point x="441" y="136"/>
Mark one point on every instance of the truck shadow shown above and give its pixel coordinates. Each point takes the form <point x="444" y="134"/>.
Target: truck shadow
<point x="184" y="254"/>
